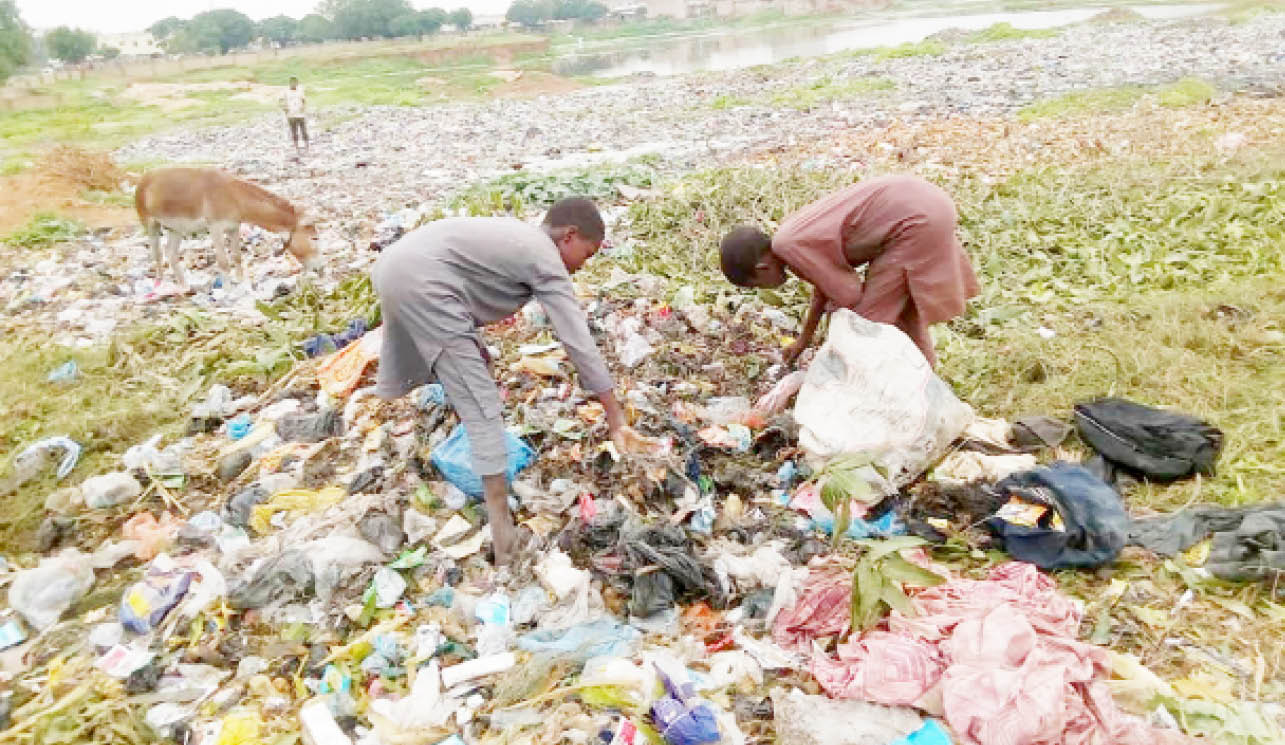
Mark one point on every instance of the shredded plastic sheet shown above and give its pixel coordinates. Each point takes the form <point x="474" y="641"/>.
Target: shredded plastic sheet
<point x="340" y="373"/>
<point x="998" y="658"/>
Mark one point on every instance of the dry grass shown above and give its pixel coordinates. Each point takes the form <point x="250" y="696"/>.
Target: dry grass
<point x="81" y="168"/>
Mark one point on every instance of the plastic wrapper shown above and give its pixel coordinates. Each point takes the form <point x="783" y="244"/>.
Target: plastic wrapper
<point x="41" y="595"/>
<point x="147" y="602"/>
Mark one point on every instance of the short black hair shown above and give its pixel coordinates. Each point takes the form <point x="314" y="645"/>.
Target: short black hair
<point x="578" y="212"/>
<point x="740" y="252"/>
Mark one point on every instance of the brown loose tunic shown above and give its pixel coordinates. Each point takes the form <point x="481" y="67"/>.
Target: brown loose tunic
<point x="902" y="228"/>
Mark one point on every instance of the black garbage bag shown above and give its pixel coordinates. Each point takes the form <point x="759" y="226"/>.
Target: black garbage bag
<point x="1094" y="523"/>
<point x="1161" y="445"/>
<point x="663" y="550"/>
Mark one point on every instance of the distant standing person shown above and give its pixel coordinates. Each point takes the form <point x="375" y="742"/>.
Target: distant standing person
<point x="900" y="228"/>
<point x="295" y="105"/>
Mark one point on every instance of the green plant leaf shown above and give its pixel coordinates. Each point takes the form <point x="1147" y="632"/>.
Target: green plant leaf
<point x="897" y="569"/>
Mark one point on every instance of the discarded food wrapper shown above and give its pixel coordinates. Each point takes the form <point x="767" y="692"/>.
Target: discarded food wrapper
<point x="683" y="719"/>
<point x="1028" y="514"/>
<point x="122" y="660"/>
<point x="146" y="603"/>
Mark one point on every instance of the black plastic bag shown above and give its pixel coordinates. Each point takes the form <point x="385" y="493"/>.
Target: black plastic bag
<point x="1161" y="445"/>
<point x="1095" y="525"/>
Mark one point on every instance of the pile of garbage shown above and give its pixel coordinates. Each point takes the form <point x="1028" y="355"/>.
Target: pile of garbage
<point x="312" y="562"/>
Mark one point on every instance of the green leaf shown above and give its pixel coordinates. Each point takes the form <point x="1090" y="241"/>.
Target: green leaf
<point x="867" y="589"/>
<point x="897" y="569"/>
<point x="896" y="599"/>
<point x="268" y="310"/>
<point x="877" y="549"/>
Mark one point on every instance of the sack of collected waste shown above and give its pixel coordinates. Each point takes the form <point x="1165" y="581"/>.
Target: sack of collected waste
<point x="1161" y="445"/>
<point x="869" y="390"/>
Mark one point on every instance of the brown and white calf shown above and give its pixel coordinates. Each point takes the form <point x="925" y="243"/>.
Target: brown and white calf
<point x="186" y="201"/>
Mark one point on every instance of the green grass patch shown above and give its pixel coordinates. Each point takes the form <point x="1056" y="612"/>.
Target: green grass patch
<point x="1185" y="92"/>
<point x="1005" y="31"/>
<point x="514" y="193"/>
<point x="44" y="229"/>
<point x="726" y="101"/>
<point x="146" y="381"/>
<point x="1081" y="102"/>
<point x="925" y="48"/>
<point x="1243" y="11"/>
<point x="94" y="114"/>
<point x="827" y="89"/>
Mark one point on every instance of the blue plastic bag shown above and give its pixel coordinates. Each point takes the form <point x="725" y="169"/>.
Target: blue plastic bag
<point x="931" y="733"/>
<point x="602" y="638"/>
<point x="453" y="458"/>
<point x="887" y="526"/>
<point x="682" y="719"/>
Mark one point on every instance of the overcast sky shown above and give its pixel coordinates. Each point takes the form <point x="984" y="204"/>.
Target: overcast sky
<point x="118" y="16"/>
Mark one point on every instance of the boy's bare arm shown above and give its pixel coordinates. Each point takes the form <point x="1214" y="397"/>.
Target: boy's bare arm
<point x="816" y="309"/>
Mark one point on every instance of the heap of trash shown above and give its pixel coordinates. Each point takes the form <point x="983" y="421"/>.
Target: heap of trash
<point x="843" y="554"/>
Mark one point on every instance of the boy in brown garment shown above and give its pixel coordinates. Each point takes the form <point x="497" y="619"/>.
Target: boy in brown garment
<point x="901" y="228"/>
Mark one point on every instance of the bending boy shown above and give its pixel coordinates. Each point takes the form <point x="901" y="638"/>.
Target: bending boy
<point x="439" y="283"/>
<point x="901" y="228"/>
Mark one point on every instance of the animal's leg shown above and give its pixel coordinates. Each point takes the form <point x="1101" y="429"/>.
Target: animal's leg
<point x="234" y="250"/>
<point x="171" y="252"/>
<point x="153" y="230"/>
<point x="219" y="237"/>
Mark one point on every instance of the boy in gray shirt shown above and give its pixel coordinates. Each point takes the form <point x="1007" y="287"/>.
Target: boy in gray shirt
<point x="439" y="283"/>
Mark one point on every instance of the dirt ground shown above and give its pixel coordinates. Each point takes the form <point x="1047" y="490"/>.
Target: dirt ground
<point x="27" y="194"/>
<point x="533" y="83"/>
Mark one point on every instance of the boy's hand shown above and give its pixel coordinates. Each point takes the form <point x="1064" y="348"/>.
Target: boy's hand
<point x="792" y="352"/>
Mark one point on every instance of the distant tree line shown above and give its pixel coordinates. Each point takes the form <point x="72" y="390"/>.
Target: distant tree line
<point x="18" y="46"/>
<point x="533" y="13"/>
<point x="220" y="31"/>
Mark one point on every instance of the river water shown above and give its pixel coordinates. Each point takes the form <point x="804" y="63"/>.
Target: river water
<point x="738" y="48"/>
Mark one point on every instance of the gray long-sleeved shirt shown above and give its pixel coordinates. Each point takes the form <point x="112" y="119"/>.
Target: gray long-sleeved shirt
<point x="438" y="283"/>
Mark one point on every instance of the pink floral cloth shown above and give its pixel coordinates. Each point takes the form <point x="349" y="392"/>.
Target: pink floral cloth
<point x="998" y="659"/>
